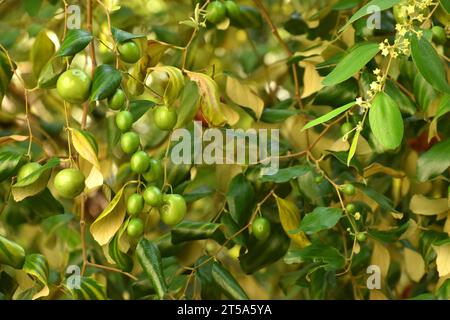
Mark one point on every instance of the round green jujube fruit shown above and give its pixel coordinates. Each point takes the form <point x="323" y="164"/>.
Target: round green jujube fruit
<point x="361" y="237"/>
<point x="164" y="118"/>
<point x="153" y="196"/>
<point x="215" y="12"/>
<point x="74" y="86"/>
<point x="135" y="204"/>
<point x="129" y="51"/>
<point x="439" y="35"/>
<point x="140" y="161"/>
<point x="351" y="208"/>
<point x="135" y="227"/>
<point x="124" y="121"/>
<point x="173" y="209"/>
<point x="27" y="169"/>
<point x="154" y="172"/>
<point x="348" y="189"/>
<point x="69" y="183"/>
<point x="117" y="100"/>
<point x="233" y="9"/>
<point x="261" y="228"/>
<point x="129" y="142"/>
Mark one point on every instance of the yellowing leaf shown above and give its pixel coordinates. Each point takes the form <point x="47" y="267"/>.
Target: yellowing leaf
<point x="414" y="264"/>
<point x="83" y="146"/>
<point x="12" y="138"/>
<point x="422" y="205"/>
<point x="312" y="80"/>
<point x="381" y="258"/>
<point x="290" y="220"/>
<point x="175" y="83"/>
<point x="443" y="259"/>
<point x="210" y="99"/>
<point x="243" y="95"/>
<point x="110" y="220"/>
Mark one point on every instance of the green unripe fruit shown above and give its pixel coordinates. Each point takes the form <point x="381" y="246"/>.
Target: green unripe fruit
<point x="135" y="228"/>
<point x="140" y="161"/>
<point x="73" y="86"/>
<point x="27" y="169"/>
<point x="124" y="121"/>
<point x="165" y="118"/>
<point x="129" y="51"/>
<point x="345" y="128"/>
<point x="153" y="196"/>
<point x="117" y="101"/>
<point x="348" y="189"/>
<point x="439" y="35"/>
<point x="69" y="183"/>
<point x="361" y="237"/>
<point x="154" y="172"/>
<point x="173" y="209"/>
<point x="318" y="179"/>
<point x="129" y="142"/>
<point x="135" y="204"/>
<point x="261" y="228"/>
<point x="215" y="12"/>
<point x="233" y="9"/>
<point x="351" y="208"/>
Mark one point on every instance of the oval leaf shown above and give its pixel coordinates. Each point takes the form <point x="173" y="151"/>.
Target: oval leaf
<point x="106" y="81"/>
<point x="320" y="219"/>
<point x="227" y="283"/>
<point x="429" y="64"/>
<point x="330" y="115"/>
<point x="11" y="253"/>
<point x="149" y="258"/>
<point x="243" y="95"/>
<point x="354" y="61"/>
<point x="75" y="41"/>
<point x="386" y="121"/>
<point x="434" y="161"/>
<point x="290" y="220"/>
<point x="122" y="36"/>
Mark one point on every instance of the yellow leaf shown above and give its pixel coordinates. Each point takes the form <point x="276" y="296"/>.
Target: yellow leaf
<point x="377" y="295"/>
<point x="422" y="205"/>
<point x="290" y="220"/>
<point x="312" y="80"/>
<point x="379" y="168"/>
<point x="243" y="95"/>
<point x="175" y="83"/>
<point x="110" y="220"/>
<point x="443" y="259"/>
<point x="210" y="101"/>
<point x="381" y="258"/>
<point x="12" y="138"/>
<point x="94" y="177"/>
<point x="415" y="266"/>
<point x="45" y="291"/>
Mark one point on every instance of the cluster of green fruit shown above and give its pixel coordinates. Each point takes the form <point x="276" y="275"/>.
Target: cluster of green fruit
<point x="240" y="16"/>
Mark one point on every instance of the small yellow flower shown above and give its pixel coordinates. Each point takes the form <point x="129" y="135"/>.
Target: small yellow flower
<point x="376" y="71"/>
<point x="357" y="216"/>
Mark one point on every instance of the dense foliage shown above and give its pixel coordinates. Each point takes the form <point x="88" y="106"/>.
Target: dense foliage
<point x="93" y="207"/>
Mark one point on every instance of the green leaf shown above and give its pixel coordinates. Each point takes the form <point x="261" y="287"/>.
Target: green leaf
<point x="352" y="150"/>
<point x="109" y="221"/>
<point x="354" y="61"/>
<point x="9" y="164"/>
<point x="89" y="289"/>
<point x="384" y="202"/>
<point x="227" y="283"/>
<point x="434" y="161"/>
<point x="195" y="230"/>
<point x="263" y="253"/>
<point x="209" y="288"/>
<point x="123" y="261"/>
<point x="321" y="218"/>
<point x="75" y="41"/>
<point x="122" y="36"/>
<point x="388" y="236"/>
<point x="271" y="115"/>
<point x="364" y="11"/>
<point x="41" y="52"/>
<point x="231" y="229"/>
<point x="139" y="107"/>
<point x="342" y="157"/>
<point x="329" y="256"/>
<point x="429" y="64"/>
<point x="35" y="182"/>
<point x="339" y="94"/>
<point x="36" y="266"/>
<point x="423" y="92"/>
<point x="105" y="83"/>
<point x="6" y="73"/>
<point x="32" y="6"/>
<point x="386" y="121"/>
<point x="446" y="5"/>
<point x="240" y="198"/>
<point x="198" y="193"/>
<point x="286" y="174"/>
<point x="330" y="115"/>
<point x="149" y="258"/>
<point x="11" y="253"/>
<point x="43" y="204"/>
